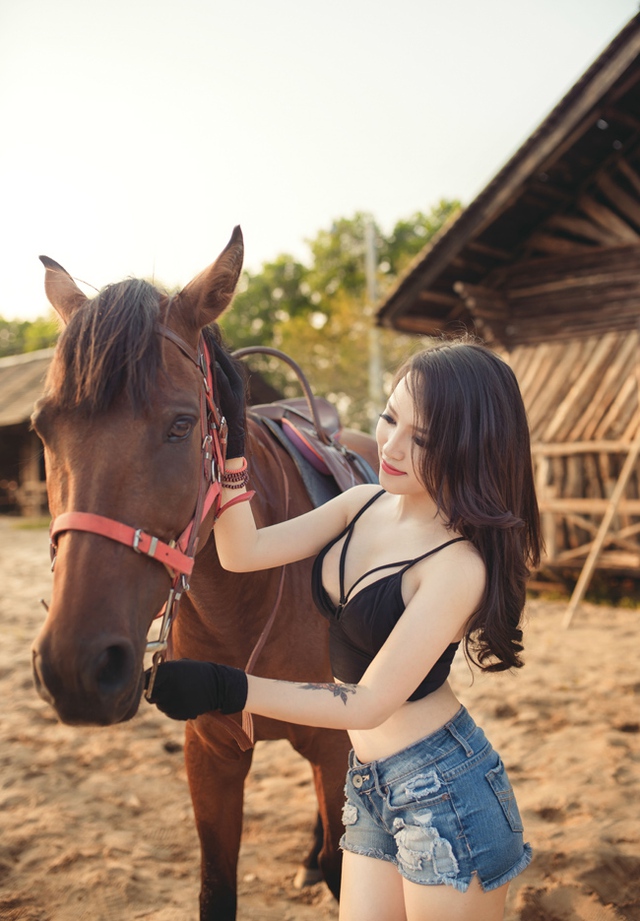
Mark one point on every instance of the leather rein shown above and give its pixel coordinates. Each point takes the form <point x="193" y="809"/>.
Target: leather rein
<point x="177" y="556"/>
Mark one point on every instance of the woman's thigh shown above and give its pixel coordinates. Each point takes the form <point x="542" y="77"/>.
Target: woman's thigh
<point x="444" y="903"/>
<point x="371" y="890"/>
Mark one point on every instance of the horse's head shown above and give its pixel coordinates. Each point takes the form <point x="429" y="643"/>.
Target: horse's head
<point x="121" y="426"/>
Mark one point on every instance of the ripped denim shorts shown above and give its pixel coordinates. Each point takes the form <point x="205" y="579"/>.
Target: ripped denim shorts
<point x="440" y="810"/>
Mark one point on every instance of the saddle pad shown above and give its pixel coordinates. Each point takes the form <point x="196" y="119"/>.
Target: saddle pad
<point x="304" y="446"/>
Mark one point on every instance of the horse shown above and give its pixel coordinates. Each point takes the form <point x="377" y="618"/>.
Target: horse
<point x="120" y="421"/>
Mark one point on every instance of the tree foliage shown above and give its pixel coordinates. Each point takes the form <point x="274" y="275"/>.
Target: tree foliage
<point x="18" y="336"/>
<point x="319" y="314"/>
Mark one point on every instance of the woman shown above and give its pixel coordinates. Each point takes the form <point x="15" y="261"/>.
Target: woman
<point x="435" y="556"/>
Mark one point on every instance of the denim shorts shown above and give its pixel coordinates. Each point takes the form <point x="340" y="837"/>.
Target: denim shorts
<point x="441" y="810"/>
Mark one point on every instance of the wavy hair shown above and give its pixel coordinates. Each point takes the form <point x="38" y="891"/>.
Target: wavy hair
<point x="476" y="464"/>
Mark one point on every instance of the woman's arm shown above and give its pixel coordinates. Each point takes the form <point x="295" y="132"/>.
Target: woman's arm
<point x="448" y="593"/>
<point x="241" y="546"/>
<point x="244" y="548"/>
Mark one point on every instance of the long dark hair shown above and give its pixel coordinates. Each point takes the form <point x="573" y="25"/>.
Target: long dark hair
<point x="476" y="464"/>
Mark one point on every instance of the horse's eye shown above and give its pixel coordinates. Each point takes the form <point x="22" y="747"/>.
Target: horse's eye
<point x="181" y="428"/>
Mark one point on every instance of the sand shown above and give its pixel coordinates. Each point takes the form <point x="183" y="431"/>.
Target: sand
<point x="97" y="823"/>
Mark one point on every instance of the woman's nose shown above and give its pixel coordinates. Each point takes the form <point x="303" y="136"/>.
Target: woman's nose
<point x="393" y="446"/>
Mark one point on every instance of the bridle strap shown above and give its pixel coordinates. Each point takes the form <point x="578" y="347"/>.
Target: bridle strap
<point x="135" y="538"/>
<point x="177" y="556"/>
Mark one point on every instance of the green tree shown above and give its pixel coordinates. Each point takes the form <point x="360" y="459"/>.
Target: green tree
<point x="319" y="315"/>
<point x="17" y="336"/>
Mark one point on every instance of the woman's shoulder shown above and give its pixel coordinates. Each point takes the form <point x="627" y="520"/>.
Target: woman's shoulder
<point x="454" y="566"/>
<point x="357" y="497"/>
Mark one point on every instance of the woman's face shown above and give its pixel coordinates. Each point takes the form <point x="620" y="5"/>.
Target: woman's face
<point x="399" y="443"/>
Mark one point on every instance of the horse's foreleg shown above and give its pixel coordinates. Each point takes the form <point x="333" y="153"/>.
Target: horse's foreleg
<point x="216" y="779"/>
<point x="309" y="873"/>
<point x="327" y="751"/>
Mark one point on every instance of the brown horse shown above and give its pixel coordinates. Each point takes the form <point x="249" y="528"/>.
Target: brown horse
<point x="120" y="422"/>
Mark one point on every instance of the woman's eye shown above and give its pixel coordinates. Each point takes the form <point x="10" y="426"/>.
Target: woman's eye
<point x="387" y="418"/>
<point x="420" y="442"/>
<point x="181" y="428"/>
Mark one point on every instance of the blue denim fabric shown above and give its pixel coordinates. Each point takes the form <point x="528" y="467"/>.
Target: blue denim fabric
<point x="440" y="810"/>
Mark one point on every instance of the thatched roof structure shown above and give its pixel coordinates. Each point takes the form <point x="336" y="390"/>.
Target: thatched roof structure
<point x="545" y="265"/>
<point x="566" y="206"/>
<point x="21" y="384"/>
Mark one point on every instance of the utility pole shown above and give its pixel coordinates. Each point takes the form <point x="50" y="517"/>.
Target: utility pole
<point x="376" y="392"/>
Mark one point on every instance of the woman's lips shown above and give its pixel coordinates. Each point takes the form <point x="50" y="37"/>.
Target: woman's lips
<point x="390" y="470"/>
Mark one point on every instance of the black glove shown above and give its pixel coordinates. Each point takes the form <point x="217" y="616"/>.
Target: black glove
<point x="231" y="395"/>
<point x="185" y="688"/>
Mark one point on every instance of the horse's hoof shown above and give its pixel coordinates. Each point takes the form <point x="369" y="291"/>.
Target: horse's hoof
<point x="306" y="877"/>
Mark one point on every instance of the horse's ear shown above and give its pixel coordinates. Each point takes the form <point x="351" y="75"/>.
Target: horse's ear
<point x="63" y="293"/>
<point x="210" y="293"/>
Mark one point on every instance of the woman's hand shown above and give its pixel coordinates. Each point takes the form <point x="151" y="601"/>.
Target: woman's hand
<point x="231" y="395"/>
<point x="185" y="688"/>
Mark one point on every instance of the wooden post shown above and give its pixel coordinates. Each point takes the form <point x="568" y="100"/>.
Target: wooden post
<point x="605" y="524"/>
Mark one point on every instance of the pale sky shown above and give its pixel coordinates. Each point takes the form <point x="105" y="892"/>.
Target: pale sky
<point x="137" y="133"/>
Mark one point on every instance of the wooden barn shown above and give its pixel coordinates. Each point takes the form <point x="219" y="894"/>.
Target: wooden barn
<point x="545" y="266"/>
<point x="22" y="484"/>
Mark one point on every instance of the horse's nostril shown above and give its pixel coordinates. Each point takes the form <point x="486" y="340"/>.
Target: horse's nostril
<point x="113" y="668"/>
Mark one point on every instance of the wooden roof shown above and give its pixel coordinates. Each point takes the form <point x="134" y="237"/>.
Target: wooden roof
<point x="551" y="246"/>
<point x="21" y="384"/>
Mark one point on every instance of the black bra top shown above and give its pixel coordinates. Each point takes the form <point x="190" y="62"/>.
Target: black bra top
<point x="360" y="624"/>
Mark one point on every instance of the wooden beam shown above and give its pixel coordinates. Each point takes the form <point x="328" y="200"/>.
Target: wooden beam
<point x="624" y="202"/>
<point x="629" y="173"/>
<point x="612" y="507"/>
<point x="604" y="216"/>
<point x="581" y="227"/>
<point x="439" y="297"/>
<point x="557" y="246"/>
<point x="566" y="449"/>
<point x="570" y="282"/>
<point x="588" y="506"/>
<point x="492" y="251"/>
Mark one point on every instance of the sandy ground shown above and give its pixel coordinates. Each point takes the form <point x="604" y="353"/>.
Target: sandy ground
<point x="97" y="823"/>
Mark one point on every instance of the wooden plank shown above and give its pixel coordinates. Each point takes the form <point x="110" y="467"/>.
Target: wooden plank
<point x="565" y="448"/>
<point x="612" y="507"/>
<point x="586" y="506"/>
<point x="611" y="560"/>
<point x="622" y="408"/>
<point x="605" y="260"/>
<point x="582" y="386"/>
<point x="577" y="283"/>
<point x="502" y="254"/>
<point x="547" y="522"/>
<point x="439" y="297"/>
<point x="629" y="206"/>
<point x="564" y="366"/>
<point x="629" y="173"/>
<point x="605" y="393"/>
<point x="565" y="329"/>
<point x="547" y="243"/>
<point x="581" y="227"/>
<point x="607" y="218"/>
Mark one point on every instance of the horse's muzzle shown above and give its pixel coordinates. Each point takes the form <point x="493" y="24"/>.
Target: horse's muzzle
<point x="104" y="688"/>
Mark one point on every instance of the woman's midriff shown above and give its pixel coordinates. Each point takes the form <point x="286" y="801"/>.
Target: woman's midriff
<point x="412" y="722"/>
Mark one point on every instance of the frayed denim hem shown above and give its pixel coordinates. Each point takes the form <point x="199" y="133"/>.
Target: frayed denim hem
<point x="460" y="885"/>
<point x="374" y="852"/>
<point x="522" y="864"/>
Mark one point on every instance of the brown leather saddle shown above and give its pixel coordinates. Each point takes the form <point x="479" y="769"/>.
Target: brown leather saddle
<point x="309" y="428"/>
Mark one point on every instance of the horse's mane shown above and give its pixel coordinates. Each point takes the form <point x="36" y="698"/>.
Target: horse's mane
<point x="109" y="346"/>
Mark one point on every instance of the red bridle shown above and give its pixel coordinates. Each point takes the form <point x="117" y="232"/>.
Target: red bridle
<point x="177" y="555"/>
